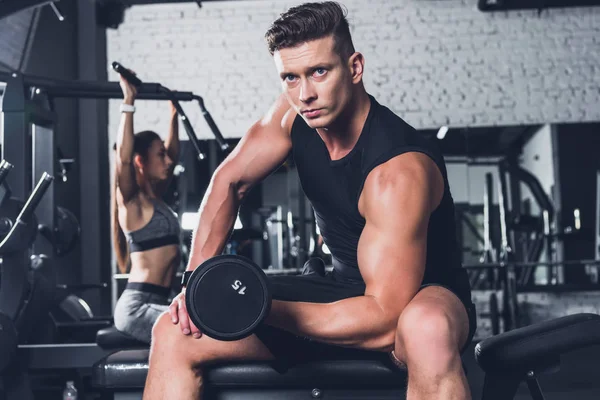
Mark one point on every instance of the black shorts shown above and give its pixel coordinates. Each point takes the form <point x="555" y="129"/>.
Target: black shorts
<point x="289" y="349"/>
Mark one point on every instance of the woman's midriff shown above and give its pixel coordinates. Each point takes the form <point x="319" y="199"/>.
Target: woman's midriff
<point x="156" y="266"/>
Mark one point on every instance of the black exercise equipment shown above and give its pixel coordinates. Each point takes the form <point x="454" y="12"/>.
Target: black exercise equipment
<point x="5" y="168"/>
<point x="8" y="7"/>
<point x="525" y="353"/>
<point x="23" y="227"/>
<point x="12" y="251"/>
<point x="597" y="224"/>
<point x="65" y="308"/>
<point x="9" y="211"/>
<point x="8" y="332"/>
<point x="314" y="266"/>
<point x="122" y="375"/>
<point x="8" y="341"/>
<point x="20" y="306"/>
<point x="29" y="140"/>
<point x="111" y="339"/>
<point x="64" y="234"/>
<point x="29" y="297"/>
<point x="227" y="297"/>
<point x="134" y="80"/>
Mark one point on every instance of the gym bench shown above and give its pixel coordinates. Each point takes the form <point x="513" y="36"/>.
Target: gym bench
<point x="507" y="359"/>
<point x="121" y="376"/>
<point x="525" y="353"/>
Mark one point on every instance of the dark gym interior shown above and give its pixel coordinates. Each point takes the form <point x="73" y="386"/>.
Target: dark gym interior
<point x="509" y="91"/>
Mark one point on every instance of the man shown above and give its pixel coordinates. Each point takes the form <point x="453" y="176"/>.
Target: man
<point x="382" y="202"/>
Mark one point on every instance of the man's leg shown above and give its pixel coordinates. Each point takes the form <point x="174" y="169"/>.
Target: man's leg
<point x="430" y="334"/>
<point x="176" y="360"/>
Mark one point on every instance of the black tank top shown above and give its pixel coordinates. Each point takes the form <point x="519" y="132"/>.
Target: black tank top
<point x="334" y="187"/>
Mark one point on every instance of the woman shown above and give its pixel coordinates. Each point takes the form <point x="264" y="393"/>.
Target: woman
<point x="146" y="231"/>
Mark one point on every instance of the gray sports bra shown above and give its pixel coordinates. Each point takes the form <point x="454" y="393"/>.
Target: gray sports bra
<point x="162" y="230"/>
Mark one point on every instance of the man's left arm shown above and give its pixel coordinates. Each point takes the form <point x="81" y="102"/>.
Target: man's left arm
<point x="397" y="200"/>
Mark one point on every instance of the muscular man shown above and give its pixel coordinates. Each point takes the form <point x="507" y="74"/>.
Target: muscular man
<point x="383" y="205"/>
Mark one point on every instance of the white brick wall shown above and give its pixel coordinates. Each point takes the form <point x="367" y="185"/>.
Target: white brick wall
<point x="433" y="62"/>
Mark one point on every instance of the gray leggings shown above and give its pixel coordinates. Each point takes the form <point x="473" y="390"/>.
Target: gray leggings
<point x="138" y="308"/>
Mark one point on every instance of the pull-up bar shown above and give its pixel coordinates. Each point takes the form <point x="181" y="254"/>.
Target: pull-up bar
<point x="112" y="90"/>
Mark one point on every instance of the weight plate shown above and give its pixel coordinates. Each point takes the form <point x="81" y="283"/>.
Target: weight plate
<point x="227" y="297"/>
<point x="66" y="231"/>
<point x="10" y="210"/>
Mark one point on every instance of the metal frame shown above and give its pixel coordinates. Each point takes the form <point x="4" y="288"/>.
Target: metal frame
<point x="61" y="356"/>
<point x="597" y="241"/>
<point x="507" y="5"/>
<point x="10" y="7"/>
<point x="558" y="247"/>
<point x="94" y="180"/>
<point x="43" y="160"/>
<point x="28" y="136"/>
<point x="28" y="143"/>
<point x="15" y="136"/>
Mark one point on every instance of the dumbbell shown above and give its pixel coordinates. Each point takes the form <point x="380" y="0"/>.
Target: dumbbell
<point x="227" y="297"/>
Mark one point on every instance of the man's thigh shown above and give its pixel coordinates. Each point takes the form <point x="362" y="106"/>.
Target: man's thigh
<point x="168" y="339"/>
<point x="289" y="349"/>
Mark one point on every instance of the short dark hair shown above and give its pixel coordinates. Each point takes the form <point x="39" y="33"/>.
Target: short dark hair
<point x="310" y="21"/>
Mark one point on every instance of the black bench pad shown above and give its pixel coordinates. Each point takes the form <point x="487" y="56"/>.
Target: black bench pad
<point x="110" y="338"/>
<point x="539" y="345"/>
<point x="127" y="369"/>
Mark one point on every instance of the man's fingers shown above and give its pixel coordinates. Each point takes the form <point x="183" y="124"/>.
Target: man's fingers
<point x="195" y="331"/>
<point x="173" y="312"/>
<point x="184" y="321"/>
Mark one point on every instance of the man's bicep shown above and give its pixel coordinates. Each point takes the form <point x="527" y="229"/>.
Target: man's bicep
<point x="393" y="246"/>
<point x="392" y="261"/>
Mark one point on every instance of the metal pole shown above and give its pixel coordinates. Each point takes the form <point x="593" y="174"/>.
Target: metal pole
<point x="15" y="136"/>
<point x="506" y="255"/>
<point x="43" y="162"/>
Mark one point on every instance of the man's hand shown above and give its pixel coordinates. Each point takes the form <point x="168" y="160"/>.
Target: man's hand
<point x="179" y="315"/>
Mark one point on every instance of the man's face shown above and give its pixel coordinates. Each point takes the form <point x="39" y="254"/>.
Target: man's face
<point x="316" y="81"/>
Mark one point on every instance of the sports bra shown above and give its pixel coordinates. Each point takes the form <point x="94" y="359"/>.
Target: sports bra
<point x="162" y="230"/>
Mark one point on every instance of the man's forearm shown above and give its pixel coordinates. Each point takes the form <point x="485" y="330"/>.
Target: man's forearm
<point x="216" y="219"/>
<point x="355" y="322"/>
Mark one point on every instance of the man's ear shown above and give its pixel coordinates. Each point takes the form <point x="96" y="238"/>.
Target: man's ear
<point x="356" y="63"/>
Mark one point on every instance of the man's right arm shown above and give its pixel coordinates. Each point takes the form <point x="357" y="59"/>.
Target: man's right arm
<point x="263" y="149"/>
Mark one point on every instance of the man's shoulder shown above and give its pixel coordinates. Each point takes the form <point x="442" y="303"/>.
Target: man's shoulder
<point x="281" y="115"/>
<point x="405" y="175"/>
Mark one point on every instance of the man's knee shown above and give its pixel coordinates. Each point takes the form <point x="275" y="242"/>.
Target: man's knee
<point x="165" y="333"/>
<point x="424" y="331"/>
